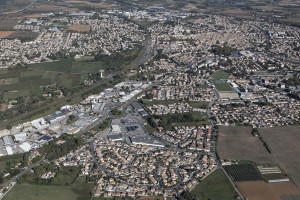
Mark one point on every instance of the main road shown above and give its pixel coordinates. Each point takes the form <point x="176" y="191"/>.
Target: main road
<point x="144" y="56"/>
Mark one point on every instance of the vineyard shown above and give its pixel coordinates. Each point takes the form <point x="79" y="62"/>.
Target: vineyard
<point x="243" y="172"/>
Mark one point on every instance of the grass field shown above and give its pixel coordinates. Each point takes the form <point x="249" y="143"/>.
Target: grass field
<point x="32" y="73"/>
<point x="223" y="87"/>
<point x="216" y="186"/>
<point x="237" y="143"/>
<point x="260" y="190"/>
<point x="70" y="66"/>
<point x="220" y="74"/>
<point x="47" y="192"/>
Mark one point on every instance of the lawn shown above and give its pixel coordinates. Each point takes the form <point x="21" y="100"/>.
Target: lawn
<point x="47" y="192"/>
<point x="220" y="74"/>
<point x="216" y="186"/>
<point x="223" y="87"/>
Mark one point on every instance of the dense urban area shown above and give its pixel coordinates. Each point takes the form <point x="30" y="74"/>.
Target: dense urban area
<point x="123" y="99"/>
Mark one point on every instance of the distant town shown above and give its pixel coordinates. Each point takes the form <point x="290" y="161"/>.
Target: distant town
<point x="149" y="103"/>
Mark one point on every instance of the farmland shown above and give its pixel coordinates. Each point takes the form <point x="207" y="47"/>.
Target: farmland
<point x="243" y="172"/>
<point x="47" y="192"/>
<point x="260" y="190"/>
<point x="7" y="24"/>
<point x="4" y="34"/>
<point x="237" y="143"/>
<point x="284" y="145"/>
<point x="215" y="186"/>
<point x="70" y="66"/>
<point x="15" y="83"/>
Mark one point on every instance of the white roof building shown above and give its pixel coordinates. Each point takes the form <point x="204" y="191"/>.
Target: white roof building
<point x="25" y="146"/>
<point x="115" y="129"/>
<point x="20" y="137"/>
<point x="9" y="151"/>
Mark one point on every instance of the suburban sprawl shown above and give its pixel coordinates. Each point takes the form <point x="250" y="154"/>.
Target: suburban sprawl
<point x="148" y="102"/>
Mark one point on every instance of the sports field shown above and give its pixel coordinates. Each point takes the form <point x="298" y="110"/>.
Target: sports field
<point x="237" y="143"/>
<point x="220" y="74"/>
<point x="216" y="186"/>
<point x="223" y="87"/>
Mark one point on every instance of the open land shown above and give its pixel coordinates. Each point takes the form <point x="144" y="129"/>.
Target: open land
<point x="80" y="28"/>
<point x="215" y="186"/>
<point x="237" y="143"/>
<point x="260" y="190"/>
<point x="47" y="192"/>
<point x="284" y="145"/>
<point x="4" y="34"/>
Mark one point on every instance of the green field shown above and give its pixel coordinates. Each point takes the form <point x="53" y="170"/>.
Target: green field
<point x="47" y="192"/>
<point x="15" y="94"/>
<point x="274" y="176"/>
<point x="70" y="66"/>
<point x="223" y="87"/>
<point x="216" y="186"/>
<point x="83" y="78"/>
<point x="220" y="74"/>
<point x="32" y="73"/>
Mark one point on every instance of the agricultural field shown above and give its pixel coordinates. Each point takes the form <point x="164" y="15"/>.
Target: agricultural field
<point x="223" y="87"/>
<point x="23" y="35"/>
<point x="47" y="192"/>
<point x="4" y="34"/>
<point x="220" y="74"/>
<point x="284" y="145"/>
<point x="237" y="143"/>
<point x="243" y="172"/>
<point x="18" y="83"/>
<point x="216" y="186"/>
<point x="260" y="190"/>
<point x="7" y="24"/>
<point x="70" y="66"/>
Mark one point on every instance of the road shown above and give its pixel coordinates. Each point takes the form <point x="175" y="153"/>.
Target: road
<point x="20" y="10"/>
<point x="13" y="179"/>
<point x="145" y="54"/>
<point x="214" y="129"/>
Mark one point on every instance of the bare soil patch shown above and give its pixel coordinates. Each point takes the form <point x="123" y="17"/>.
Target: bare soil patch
<point x="237" y="143"/>
<point x="260" y="190"/>
<point x="4" y="34"/>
